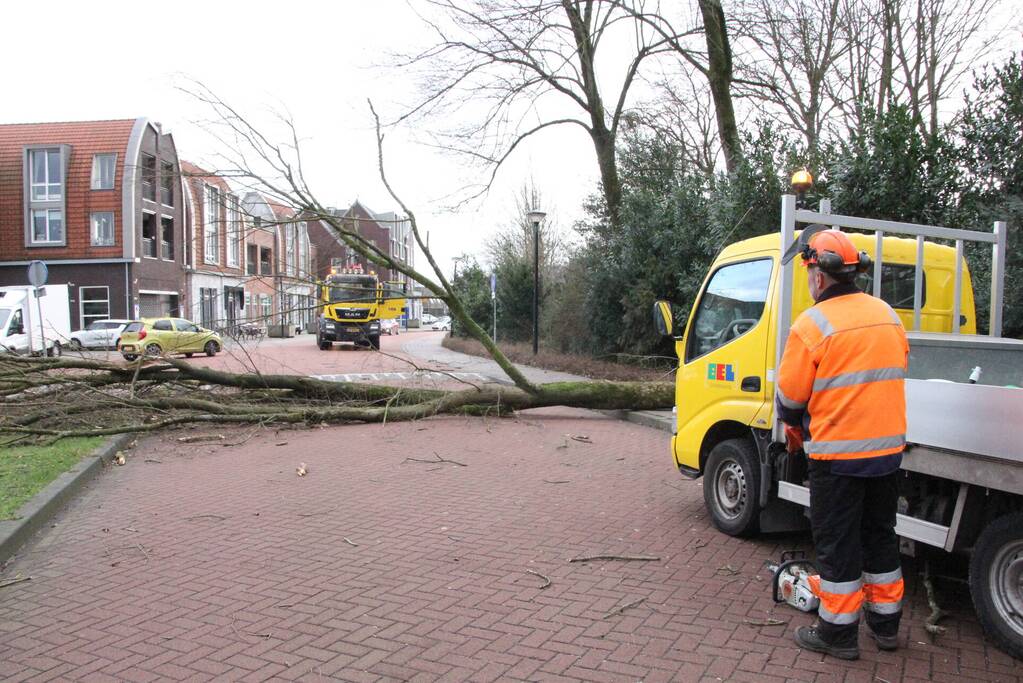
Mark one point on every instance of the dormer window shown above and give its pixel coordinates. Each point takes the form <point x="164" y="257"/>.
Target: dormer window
<point x="47" y="175"/>
<point x="103" y="168"/>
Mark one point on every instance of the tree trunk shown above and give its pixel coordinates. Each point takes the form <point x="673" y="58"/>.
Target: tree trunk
<point x="719" y="76"/>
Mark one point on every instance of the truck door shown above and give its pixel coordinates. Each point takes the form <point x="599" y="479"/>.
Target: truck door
<point x="16" y="337"/>
<point x="723" y="373"/>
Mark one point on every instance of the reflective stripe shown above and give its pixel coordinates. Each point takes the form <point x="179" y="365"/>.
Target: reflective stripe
<point x="842" y="619"/>
<point x="884" y="577"/>
<point x="854" y="445"/>
<point x="883" y="607"/>
<point x="788" y="402"/>
<point x="895" y="316"/>
<point x="841" y="587"/>
<point x="848" y="379"/>
<point x="820" y="320"/>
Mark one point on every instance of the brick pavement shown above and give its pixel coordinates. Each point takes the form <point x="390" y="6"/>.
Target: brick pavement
<point x="209" y="562"/>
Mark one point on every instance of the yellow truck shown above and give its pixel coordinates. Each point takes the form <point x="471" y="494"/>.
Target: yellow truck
<point x="962" y="485"/>
<point x="353" y="304"/>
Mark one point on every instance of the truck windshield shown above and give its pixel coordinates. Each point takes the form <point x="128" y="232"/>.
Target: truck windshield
<point x="5" y="314"/>
<point x="352" y="289"/>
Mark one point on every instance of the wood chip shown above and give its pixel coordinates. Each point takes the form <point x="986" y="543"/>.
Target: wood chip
<point x="557" y="481"/>
<point x="351" y="542"/>
<point x="581" y="438"/>
<point x="200" y="438"/>
<point x="765" y="622"/>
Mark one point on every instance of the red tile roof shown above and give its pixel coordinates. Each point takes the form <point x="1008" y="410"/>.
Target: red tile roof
<point x="192" y="171"/>
<point x="86" y="138"/>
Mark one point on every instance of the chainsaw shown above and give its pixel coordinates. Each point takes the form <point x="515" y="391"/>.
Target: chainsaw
<point x="791" y="582"/>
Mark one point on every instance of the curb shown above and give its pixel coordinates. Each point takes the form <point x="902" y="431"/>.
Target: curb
<point x="42" y="507"/>
<point x="655" y="419"/>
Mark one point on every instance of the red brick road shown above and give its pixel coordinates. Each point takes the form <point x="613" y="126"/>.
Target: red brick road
<point x="209" y="562"/>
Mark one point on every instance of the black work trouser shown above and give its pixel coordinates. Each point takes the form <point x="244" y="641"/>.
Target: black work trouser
<point x="853" y="523"/>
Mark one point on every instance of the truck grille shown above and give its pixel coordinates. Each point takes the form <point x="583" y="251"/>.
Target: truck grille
<point x="350" y="313"/>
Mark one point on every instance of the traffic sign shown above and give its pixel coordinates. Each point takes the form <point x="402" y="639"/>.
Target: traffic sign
<point x="37" y="273"/>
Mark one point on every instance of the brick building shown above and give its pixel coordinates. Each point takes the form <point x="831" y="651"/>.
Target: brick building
<point x="293" y="258"/>
<point x="216" y="251"/>
<point x="101" y="203"/>
<point x="389" y="232"/>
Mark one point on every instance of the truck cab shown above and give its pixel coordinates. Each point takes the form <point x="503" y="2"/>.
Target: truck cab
<point x="727" y="354"/>
<point x="23" y="331"/>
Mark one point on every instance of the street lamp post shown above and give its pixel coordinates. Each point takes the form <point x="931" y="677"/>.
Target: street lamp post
<point x="535" y="216"/>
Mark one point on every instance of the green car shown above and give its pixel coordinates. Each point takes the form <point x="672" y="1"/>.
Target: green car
<point x="162" y="336"/>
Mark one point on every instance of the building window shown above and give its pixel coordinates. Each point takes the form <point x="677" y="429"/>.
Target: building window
<point x="289" y="249"/>
<point x="167" y="238"/>
<point x="211" y="226"/>
<point x="150" y="238"/>
<point x="266" y="306"/>
<point x="47" y="176"/>
<point x="103" y="167"/>
<point x="251" y="259"/>
<point x="207" y="307"/>
<point x="149" y="177"/>
<point x="94" y="303"/>
<point x="47" y="226"/>
<point x="265" y="261"/>
<point x="234" y="230"/>
<point x="303" y="251"/>
<point x="102" y="229"/>
<point x="166" y="183"/>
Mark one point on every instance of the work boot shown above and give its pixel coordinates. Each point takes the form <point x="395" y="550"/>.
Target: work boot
<point x="809" y="638"/>
<point x="884" y="642"/>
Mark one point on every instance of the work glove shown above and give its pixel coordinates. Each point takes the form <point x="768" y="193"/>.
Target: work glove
<point x="793" y="439"/>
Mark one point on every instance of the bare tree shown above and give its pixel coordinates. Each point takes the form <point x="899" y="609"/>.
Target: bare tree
<point x="525" y="64"/>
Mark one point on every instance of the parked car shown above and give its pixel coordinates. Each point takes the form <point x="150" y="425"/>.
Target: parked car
<point x="99" y="334"/>
<point x="390" y="326"/>
<point x="161" y="336"/>
<point x="442" y="323"/>
<point x="429" y="319"/>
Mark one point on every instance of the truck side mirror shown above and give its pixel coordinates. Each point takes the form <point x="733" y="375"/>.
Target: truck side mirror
<point x="663" y="318"/>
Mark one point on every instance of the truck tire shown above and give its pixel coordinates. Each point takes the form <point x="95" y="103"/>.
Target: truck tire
<point x="55" y="351"/>
<point x="731" y="481"/>
<point x="996" y="573"/>
<point x="374" y="341"/>
<point x="325" y="345"/>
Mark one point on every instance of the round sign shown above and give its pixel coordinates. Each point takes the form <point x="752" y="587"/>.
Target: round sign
<point x="37" y="273"/>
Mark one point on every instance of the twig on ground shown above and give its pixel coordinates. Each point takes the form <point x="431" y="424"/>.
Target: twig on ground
<point x="218" y="518"/>
<point x="764" y="622"/>
<point x="624" y="558"/>
<point x="727" y="570"/>
<point x="350" y="542"/>
<point x="557" y="481"/>
<point x="158" y="462"/>
<point x="545" y="578"/>
<point x="434" y="462"/>
<point x="622" y="608"/>
<point x="201" y="438"/>
<point x="144" y="552"/>
<point x="16" y="579"/>
<point x="582" y="438"/>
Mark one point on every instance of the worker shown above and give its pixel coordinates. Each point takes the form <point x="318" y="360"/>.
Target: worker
<point x="841" y="394"/>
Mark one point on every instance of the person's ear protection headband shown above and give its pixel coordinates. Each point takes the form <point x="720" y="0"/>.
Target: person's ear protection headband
<point x="828" y="261"/>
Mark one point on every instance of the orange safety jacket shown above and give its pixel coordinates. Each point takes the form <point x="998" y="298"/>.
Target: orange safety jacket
<point x="844" y="368"/>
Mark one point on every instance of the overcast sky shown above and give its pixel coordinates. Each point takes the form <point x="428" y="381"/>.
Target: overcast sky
<point x="319" y="61"/>
<point x="101" y="60"/>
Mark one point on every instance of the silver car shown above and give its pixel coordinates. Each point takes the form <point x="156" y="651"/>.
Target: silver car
<point x="99" y="334"/>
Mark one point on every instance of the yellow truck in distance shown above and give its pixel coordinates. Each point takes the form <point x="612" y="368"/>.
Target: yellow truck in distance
<point x="353" y="304"/>
<point x="962" y="484"/>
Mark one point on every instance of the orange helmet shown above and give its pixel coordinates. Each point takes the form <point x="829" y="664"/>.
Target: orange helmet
<point x="833" y="252"/>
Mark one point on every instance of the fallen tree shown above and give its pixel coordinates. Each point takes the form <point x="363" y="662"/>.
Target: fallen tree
<point x="54" y="398"/>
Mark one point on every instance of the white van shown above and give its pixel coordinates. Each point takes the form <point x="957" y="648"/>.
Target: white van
<point x="22" y="331"/>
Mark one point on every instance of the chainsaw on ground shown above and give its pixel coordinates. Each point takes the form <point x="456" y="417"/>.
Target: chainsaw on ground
<point x="791" y="582"/>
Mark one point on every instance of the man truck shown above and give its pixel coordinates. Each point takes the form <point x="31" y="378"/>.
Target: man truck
<point x="352" y="305"/>
<point x="962" y="473"/>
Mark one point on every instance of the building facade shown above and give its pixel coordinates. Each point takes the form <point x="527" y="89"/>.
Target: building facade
<point x="216" y="239"/>
<point x="101" y="203"/>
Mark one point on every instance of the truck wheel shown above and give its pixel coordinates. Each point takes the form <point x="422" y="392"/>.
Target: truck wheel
<point x="996" y="582"/>
<point x="325" y="345"/>
<point x="55" y="350"/>
<point x="374" y="341"/>
<point x="75" y="345"/>
<point x="731" y="481"/>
